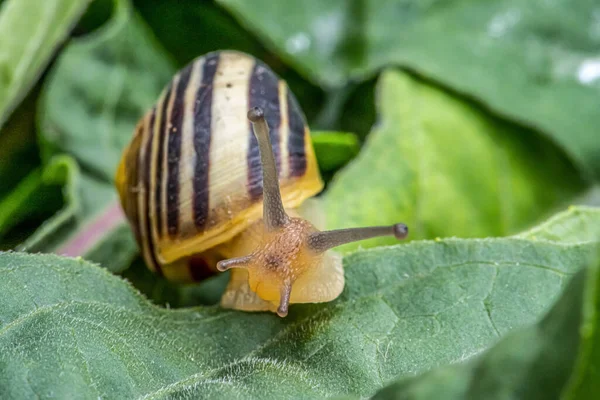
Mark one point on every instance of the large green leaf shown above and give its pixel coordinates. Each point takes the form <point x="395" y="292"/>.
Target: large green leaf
<point x="30" y="31"/>
<point x="70" y="329"/>
<point x="534" y="61"/>
<point x="558" y="355"/>
<point x="446" y="169"/>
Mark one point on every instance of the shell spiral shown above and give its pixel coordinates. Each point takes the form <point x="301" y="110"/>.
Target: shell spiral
<point x="190" y="178"/>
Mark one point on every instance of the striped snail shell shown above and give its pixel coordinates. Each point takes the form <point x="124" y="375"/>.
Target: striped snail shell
<point x="212" y="178"/>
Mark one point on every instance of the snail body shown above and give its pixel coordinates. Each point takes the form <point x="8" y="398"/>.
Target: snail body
<point x="212" y="177"/>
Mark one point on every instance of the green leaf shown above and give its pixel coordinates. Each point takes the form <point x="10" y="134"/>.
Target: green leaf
<point x="18" y="151"/>
<point x="446" y="169"/>
<point x="591" y="197"/>
<point x="92" y="116"/>
<point x="22" y="208"/>
<point x="584" y="382"/>
<point x="91" y="222"/>
<point x="558" y="355"/>
<point x="575" y="225"/>
<point x="334" y="149"/>
<point x="30" y="31"/>
<point x="70" y="329"/>
<point x="24" y="199"/>
<point x="16" y="201"/>
<point x="29" y="199"/>
<point x="533" y="61"/>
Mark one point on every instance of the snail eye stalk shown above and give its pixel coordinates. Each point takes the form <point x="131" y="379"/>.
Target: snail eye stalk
<point x="273" y="212"/>
<point x="323" y="241"/>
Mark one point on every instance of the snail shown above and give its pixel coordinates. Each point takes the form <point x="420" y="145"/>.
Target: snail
<point x="213" y="178"/>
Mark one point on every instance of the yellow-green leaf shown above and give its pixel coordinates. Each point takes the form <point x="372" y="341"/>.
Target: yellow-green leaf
<point x="446" y="169"/>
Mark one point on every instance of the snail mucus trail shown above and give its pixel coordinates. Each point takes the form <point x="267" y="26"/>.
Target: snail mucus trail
<point x="291" y="245"/>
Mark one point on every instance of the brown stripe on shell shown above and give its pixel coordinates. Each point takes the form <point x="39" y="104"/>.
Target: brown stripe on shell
<point x="145" y="160"/>
<point x="202" y="140"/>
<point x="296" y="142"/>
<point x="133" y="186"/>
<point x="263" y="92"/>
<point x="187" y="155"/>
<point x="159" y="160"/>
<point x="174" y="151"/>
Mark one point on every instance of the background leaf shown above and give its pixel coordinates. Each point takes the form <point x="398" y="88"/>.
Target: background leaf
<point x="18" y="150"/>
<point x="535" y="62"/>
<point x="92" y="116"/>
<point x="446" y="169"/>
<point x="91" y="223"/>
<point x="70" y="329"/>
<point x="334" y="149"/>
<point x="575" y="225"/>
<point x="25" y="201"/>
<point x="31" y="198"/>
<point x="30" y="31"/>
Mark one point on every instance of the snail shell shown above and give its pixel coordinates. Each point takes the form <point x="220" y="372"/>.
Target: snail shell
<point x="191" y="177"/>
